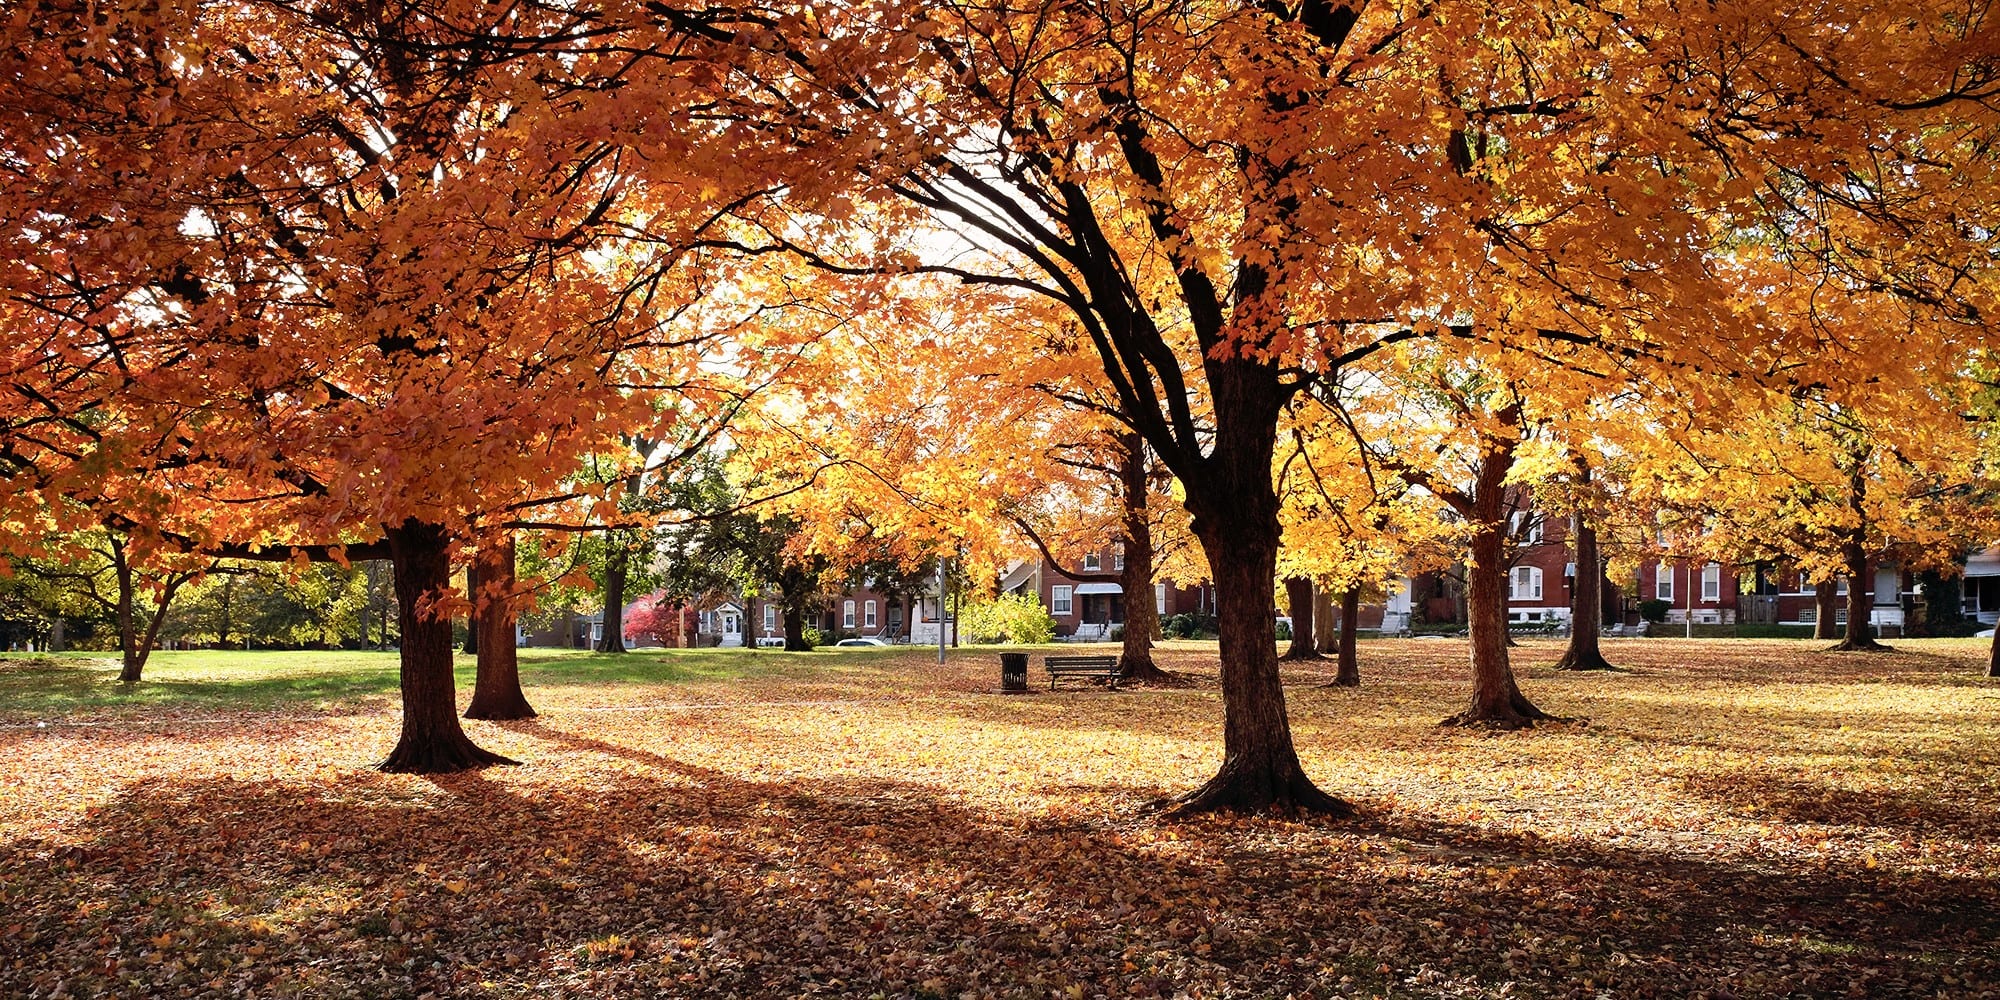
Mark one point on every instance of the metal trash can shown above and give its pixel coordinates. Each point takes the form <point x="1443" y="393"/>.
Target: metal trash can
<point x="1013" y="671"/>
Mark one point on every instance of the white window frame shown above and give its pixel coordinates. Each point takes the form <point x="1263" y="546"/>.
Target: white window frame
<point x="1059" y="600"/>
<point x="1092" y="563"/>
<point x="867" y="614"/>
<point x="1118" y="559"/>
<point x="1663" y="582"/>
<point x="1524" y="525"/>
<point x="847" y="614"/>
<point x="770" y="617"/>
<point x="1711" y="583"/>
<point x="1160" y="598"/>
<point x="1524" y="583"/>
<point x="1840" y="585"/>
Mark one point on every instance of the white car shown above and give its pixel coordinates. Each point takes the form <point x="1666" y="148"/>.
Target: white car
<point x="866" y="640"/>
<point x="1988" y="634"/>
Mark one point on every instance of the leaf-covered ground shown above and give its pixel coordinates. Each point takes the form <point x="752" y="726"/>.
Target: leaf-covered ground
<point x="1737" y="818"/>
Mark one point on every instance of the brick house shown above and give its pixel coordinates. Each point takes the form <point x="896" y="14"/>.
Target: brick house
<point x="1090" y="609"/>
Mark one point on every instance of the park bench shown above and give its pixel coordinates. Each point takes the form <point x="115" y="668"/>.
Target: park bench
<point x="1086" y="667"/>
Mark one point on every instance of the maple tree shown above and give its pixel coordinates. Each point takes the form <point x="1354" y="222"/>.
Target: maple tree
<point x="335" y="282"/>
<point x="1474" y="438"/>
<point x="1828" y="490"/>
<point x="1350" y="529"/>
<point x="656" y="618"/>
<point x="1586" y="496"/>
<point x="496" y="688"/>
<point x="102" y="567"/>
<point x="378" y="309"/>
<point x="1181" y="185"/>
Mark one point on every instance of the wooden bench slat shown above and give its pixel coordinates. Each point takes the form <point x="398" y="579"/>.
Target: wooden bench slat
<point x="1081" y="666"/>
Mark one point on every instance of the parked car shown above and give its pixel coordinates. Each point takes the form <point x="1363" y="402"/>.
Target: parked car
<point x="1987" y="634"/>
<point x="866" y="640"/>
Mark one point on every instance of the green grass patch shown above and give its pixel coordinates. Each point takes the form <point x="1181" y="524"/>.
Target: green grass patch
<point x="42" y="685"/>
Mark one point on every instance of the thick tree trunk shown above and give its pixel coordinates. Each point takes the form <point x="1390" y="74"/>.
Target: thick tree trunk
<point x="496" y="687"/>
<point x="1586" y="604"/>
<point x="1858" y="602"/>
<point x="1235" y="510"/>
<point x="1349" y="672"/>
<point x="795" y="628"/>
<point x="1142" y="615"/>
<point x="1299" y="601"/>
<point x="432" y="741"/>
<point x="1326" y="628"/>
<point x="224" y="626"/>
<point x="132" y="655"/>
<point x="1496" y="701"/>
<point x="472" y="617"/>
<point x="1824" y="603"/>
<point x="617" y="563"/>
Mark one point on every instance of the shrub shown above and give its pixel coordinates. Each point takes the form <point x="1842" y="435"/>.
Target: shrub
<point x="813" y="636"/>
<point x="1187" y="626"/>
<point x="1284" y="631"/>
<point x="655" y="620"/>
<point x="1015" y="618"/>
<point x="1654" y="611"/>
<point x="1117" y="633"/>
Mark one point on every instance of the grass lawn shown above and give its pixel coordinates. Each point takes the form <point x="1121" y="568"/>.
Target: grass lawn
<point x="1747" y="818"/>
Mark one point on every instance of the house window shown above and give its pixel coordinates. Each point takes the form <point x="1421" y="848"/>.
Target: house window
<point x="1663" y="582"/>
<point x="1059" y="600"/>
<point x="1160" y="598"/>
<point x="707" y="621"/>
<point x="1525" y="526"/>
<point x="770" y="618"/>
<point x="1092" y="562"/>
<point x="847" y="614"/>
<point x="868" y="614"/>
<point x="1525" y="585"/>
<point x="1118" y="560"/>
<point x="1840" y="586"/>
<point x="1711" y="583"/>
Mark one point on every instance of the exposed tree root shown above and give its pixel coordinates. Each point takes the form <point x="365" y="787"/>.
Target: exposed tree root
<point x="500" y="709"/>
<point x="1516" y="713"/>
<point x="1297" y="655"/>
<point x="1153" y="677"/>
<point x="1858" y="646"/>
<point x="1589" y="661"/>
<point x="431" y="757"/>
<point x="1247" y="790"/>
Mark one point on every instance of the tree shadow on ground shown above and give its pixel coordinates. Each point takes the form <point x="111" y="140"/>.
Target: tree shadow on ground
<point x="666" y="879"/>
<point x="57" y="686"/>
<point x="1800" y="800"/>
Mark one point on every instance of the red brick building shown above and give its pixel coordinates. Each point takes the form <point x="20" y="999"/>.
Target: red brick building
<point x="1090" y="609"/>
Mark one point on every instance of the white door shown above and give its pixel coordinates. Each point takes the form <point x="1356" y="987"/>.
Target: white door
<point x="732" y="629"/>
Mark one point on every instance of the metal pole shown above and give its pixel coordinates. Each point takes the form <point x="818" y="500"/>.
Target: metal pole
<point x="940" y="611"/>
